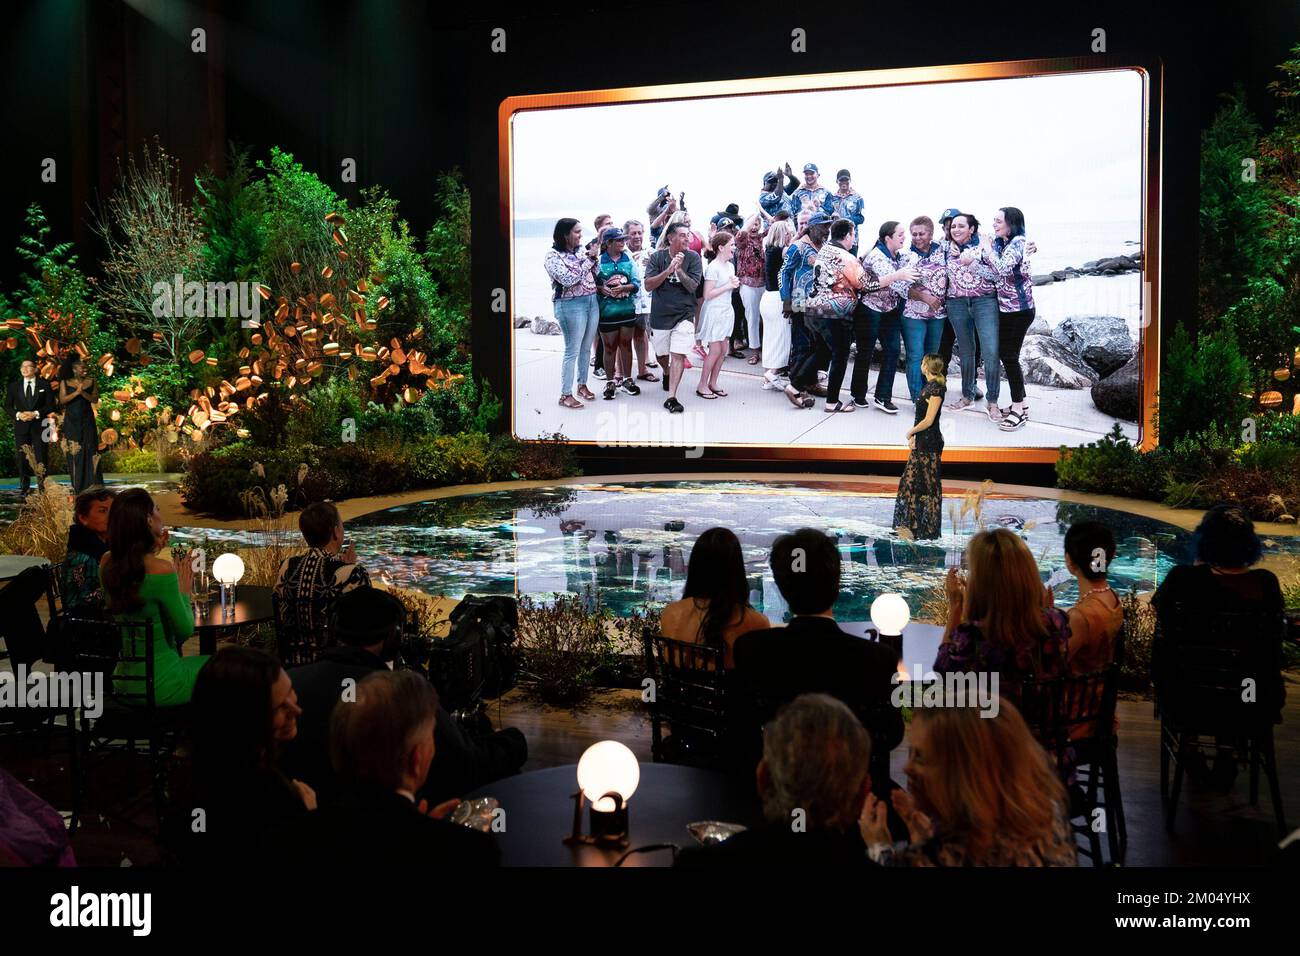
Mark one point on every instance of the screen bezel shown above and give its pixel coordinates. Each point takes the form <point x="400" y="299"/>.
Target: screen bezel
<point x="1149" y="339"/>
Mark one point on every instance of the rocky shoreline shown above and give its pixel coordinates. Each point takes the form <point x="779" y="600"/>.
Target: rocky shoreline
<point x="1112" y="266"/>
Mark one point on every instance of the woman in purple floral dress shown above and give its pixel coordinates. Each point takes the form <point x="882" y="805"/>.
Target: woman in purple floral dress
<point x="998" y="620"/>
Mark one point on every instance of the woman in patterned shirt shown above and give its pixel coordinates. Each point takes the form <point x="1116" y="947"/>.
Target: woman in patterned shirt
<point x="573" y="284"/>
<point x="1008" y="254"/>
<point x="884" y="311"/>
<point x="980" y="792"/>
<point x="752" y="272"/>
<point x="973" y="310"/>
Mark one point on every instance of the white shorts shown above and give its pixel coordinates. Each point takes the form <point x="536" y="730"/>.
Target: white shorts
<point x="678" y="340"/>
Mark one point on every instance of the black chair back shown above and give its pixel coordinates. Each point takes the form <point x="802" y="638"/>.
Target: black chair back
<point x="1070" y="711"/>
<point x="298" y="638"/>
<point x="689" y="693"/>
<point x="1220" y="672"/>
<point x="99" y="645"/>
<point x="54" y="589"/>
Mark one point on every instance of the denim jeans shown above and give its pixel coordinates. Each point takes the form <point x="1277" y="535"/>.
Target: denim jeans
<point x="921" y="337"/>
<point x="578" y="318"/>
<point x="868" y="326"/>
<point x="974" y="318"/>
<point x="834" y="334"/>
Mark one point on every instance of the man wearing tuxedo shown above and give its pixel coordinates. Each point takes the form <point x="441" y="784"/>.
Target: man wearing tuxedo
<point x="28" y="403"/>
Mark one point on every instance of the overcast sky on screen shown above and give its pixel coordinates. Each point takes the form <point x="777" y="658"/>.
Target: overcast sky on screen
<point x="1062" y="148"/>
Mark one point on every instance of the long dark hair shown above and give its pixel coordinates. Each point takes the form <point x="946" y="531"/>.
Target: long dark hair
<point x="560" y="238"/>
<point x="1015" y="221"/>
<point x="231" y="713"/>
<point x="130" y="539"/>
<point x="716" y="573"/>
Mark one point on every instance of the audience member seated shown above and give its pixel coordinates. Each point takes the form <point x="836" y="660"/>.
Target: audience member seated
<point x="999" y="619"/>
<point x="79" y="585"/>
<point x="381" y="747"/>
<point x="140" y="585"/>
<point x="244" y="711"/>
<point x="1098" y="616"/>
<point x="714" y="609"/>
<point x="980" y="792"/>
<point x="308" y="585"/>
<point x="20" y="619"/>
<point x="812" y="779"/>
<point x="368" y="625"/>
<point x="1222" y="579"/>
<point x="812" y="654"/>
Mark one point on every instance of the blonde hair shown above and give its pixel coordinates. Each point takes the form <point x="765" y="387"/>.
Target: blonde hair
<point x="987" y="778"/>
<point x="779" y="234"/>
<point x="1005" y="591"/>
<point x="933" y="365"/>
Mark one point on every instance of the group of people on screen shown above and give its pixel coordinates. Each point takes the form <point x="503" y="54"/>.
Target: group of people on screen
<point x="801" y="283"/>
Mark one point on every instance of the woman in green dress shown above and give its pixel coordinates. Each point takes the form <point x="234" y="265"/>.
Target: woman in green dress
<point x="140" y="585"/>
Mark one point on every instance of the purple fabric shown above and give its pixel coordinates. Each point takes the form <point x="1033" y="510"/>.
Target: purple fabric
<point x="31" y="831"/>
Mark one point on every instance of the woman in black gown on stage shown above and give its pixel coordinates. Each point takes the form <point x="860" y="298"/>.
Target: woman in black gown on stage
<point x="920" y="496"/>
<point x="78" y="394"/>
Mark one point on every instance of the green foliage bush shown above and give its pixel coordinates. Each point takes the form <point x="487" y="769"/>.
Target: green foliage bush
<point x="1112" y="465"/>
<point x="1204" y="383"/>
<point x="217" y="480"/>
<point x="1196" y="472"/>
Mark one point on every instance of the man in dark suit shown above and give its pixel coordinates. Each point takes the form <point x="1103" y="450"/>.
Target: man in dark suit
<point x="28" y="403"/>
<point x="381" y="746"/>
<point x="813" y="781"/>
<point x="812" y="654"/>
<point x="368" y="624"/>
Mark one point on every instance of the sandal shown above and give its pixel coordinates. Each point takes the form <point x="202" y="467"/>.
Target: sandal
<point x="586" y="394"/>
<point x="737" y="353"/>
<point x="710" y="396"/>
<point x="568" y="401"/>
<point x="756" y="358"/>
<point x="719" y="393"/>
<point x="839" y="407"/>
<point x="647" y="377"/>
<point x="1012" y="420"/>
<point x="798" y="399"/>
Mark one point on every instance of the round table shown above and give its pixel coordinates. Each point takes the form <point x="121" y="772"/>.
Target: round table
<point x="539" y="813"/>
<point x="12" y="565"/>
<point x="252" y="606"/>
